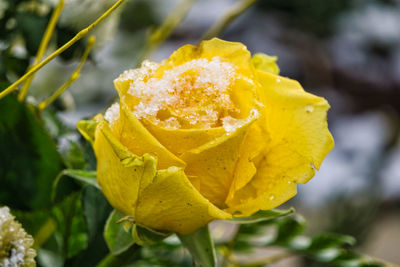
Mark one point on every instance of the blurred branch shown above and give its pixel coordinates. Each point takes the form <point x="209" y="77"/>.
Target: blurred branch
<point x="384" y="262"/>
<point x="265" y="261"/>
<point x="289" y="234"/>
<point x="170" y="23"/>
<point x="238" y="9"/>
<point x="42" y="48"/>
<point x="72" y="78"/>
<point x="44" y="233"/>
<point x="13" y="87"/>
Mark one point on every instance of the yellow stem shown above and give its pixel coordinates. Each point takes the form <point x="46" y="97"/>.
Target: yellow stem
<point x="217" y="28"/>
<point x="75" y="75"/>
<point x="170" y="23"/>
<point x="76" y="38"/>
<point x="42" y="48"/>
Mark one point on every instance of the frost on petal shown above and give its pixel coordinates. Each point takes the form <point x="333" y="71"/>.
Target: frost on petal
<point x="112" y="113"/>
<point x="195" y="94"/>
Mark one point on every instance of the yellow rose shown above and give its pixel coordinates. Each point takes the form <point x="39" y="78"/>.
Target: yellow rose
<point x="208" y="133"/>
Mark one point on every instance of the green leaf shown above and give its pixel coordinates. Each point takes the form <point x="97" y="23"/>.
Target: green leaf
<point x="144" y="236"/>
<point x="86" y="177"/>
<point x="74" y="157"/>
<point x="122" y="259"/>
<point x="201" y="246"/>
<point x="329" y="240"/>
<point x="60" y="231"/>
<point x="262" y="215"/>
<point x="11" y="65"/>
<point x="95" y="211"/>
<point x="348" y="258"/>
<point x="29" y="160"/>
<point x="288" y="233"/>
<point x="289" y="229"/>
<point x="81" y="176"/>
<point x="117" y="238"/>
<point x="48" y="258"/>
<point x="71" y="225"/>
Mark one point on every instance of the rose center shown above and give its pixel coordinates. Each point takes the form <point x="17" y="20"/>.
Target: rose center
<point x="196" y="94"/>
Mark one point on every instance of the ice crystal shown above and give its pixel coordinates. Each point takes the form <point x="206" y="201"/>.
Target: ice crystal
<point x="195" y="94"/>
<point x="112" y="113"/>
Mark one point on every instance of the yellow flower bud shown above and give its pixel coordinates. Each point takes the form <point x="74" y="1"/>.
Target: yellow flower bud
<point x="208" y="133"/>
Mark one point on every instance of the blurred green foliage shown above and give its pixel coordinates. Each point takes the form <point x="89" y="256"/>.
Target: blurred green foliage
<point x="22" y="25"/>
<point x="138" y="15"/>
<point x="289" y="233"/>
<point x="29" y="161"/>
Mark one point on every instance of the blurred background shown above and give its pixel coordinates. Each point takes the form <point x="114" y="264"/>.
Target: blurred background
<point x="347" y="51"/>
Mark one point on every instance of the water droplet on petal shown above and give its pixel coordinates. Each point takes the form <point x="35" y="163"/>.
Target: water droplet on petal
<point x="271" y="197"/>
<point x="309" y="108"/>
<point x="278" y="80"/>
<point x="313" y="167"/>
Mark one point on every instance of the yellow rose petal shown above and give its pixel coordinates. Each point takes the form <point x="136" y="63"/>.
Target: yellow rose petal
<point x="232" y="52"/>
<point x="179" y="141"/>
<point x="162" y="200"/>
<point x="265" y="63"/>
<point x="119" y="183"/>
<point x="214" y="163"/>
<point x="295" y="121"/>
<point x="244" y="95"/>
<point x="172" y="203"/>
<point x="253" y="144"/>
<point x="122" y="85"/>
<point x="130" y="131"/>
<point x="298" y="140"/>
<point x="266" y="191"/>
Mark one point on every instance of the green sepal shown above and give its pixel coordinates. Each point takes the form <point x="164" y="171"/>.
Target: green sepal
<point x="262" y="215"/>
<point x="144" y="236"/>
<point x="127" y="226"/>
<point x="117" y="238"/>
<point x="201" y="247"/>
<point x="87" y="129"/>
